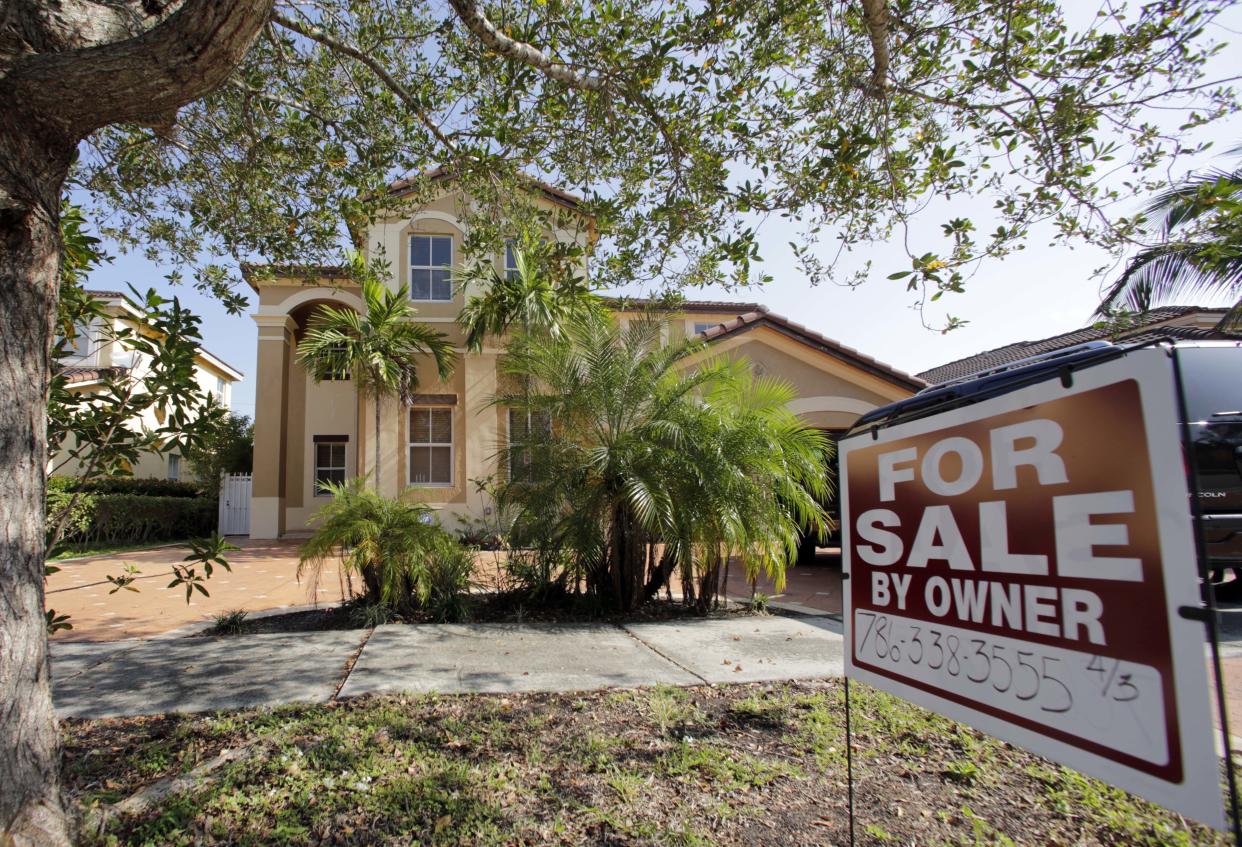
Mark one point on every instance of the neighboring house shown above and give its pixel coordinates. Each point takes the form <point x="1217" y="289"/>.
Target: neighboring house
<point x="1179" y="322"/>
<point x="308" y="432"/>
<point x="97" y="355"/>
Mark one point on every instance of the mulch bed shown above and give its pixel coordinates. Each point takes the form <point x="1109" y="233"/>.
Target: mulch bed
<point x="738" y="765"/>
<point x="487" y="608"/>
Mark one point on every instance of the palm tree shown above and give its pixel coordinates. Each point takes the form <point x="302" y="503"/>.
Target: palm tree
<point x="379" y="348"/>
<point x="1200" y="222"/>
<point x="707" y="461"/>
<point x="526" y="299"/>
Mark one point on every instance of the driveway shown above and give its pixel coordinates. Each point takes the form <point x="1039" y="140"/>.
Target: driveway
<point x="263" y="576"/>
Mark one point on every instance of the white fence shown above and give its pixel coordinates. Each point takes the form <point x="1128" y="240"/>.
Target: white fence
<point x="235" y="504"/>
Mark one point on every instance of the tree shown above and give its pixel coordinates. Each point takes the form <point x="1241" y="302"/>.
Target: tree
<point x="647" y="450"/>
<point x="227" y="447"/>
<point x="529" y="299"/>
<point x="1199" y="226"/>
<point x="684" y="123"/>
<point x="379" y="349"/>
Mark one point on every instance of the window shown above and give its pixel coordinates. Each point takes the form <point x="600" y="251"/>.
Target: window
<point x="342" y="371"/>
<point x="431" y="262"/>
<point x="174" y="467"/>
<point x="82" y="346"/>
<point x="431" y="446"/>
<point x="511" y="266"/>
<point x="525" y="429"/>
<point x="700" y="328"/>
<point x="329" y="464"/>
<point x="221" y="388"/>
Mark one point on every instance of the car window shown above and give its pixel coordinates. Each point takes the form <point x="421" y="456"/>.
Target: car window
<point x="1213" y="379"/>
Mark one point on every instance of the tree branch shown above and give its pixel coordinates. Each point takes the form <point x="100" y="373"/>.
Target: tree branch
<point x="875" y="14"/>
<point x="319" y="35"/>
<point x="471" y="14"/>
<point x="183" y="56"/>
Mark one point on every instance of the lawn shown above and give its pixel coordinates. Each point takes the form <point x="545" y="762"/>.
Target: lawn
<point x="743" y="764"/>
<point x="83" y="550"/>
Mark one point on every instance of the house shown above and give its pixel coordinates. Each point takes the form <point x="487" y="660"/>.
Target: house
<point x="306" y="432"/>
<point x="1176" y="322"/>
<point x="98" y="355"/>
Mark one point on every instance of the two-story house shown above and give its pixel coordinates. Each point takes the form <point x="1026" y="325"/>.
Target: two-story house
<point x="97" y="353"/>
<point x="307" y="432"/>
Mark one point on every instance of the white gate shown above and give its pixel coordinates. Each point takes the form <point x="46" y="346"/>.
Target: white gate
<point x="235" y="504"/>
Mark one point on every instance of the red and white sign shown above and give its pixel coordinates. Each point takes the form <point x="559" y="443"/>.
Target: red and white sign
<point x="1018" y="565"/>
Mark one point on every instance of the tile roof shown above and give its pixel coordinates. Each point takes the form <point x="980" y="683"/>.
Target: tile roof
<point x="76" y="375"/>
<point x="1149" y="325"/>
<point x="716" y="306"/>
<point x="763" y="318"/>
<point x="98" y="292"/>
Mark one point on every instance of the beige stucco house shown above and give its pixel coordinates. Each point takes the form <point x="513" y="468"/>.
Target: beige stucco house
<point x="97" y="354"/>
<point x="307" y="431"/>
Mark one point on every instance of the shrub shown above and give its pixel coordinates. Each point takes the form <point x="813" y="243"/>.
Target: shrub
<point x="403" y="558"/>
<point x="78" y="522"/>
<point x="132" y="519"/>
<point x="229" y="623"/>
<point x="449" y="569"/>
<point x="148" y="487"/>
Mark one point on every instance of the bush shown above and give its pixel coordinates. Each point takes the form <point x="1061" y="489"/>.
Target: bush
<point x="405" y="561"/>
<point x="116" y="519"/>
<point x="449" y="568"/>
<point x="149" y="487"/>
<point x="78" y="522"/>
<point x="229" y="623"/>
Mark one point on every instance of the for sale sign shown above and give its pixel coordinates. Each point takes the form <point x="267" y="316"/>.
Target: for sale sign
<point x="1018" y="565"/>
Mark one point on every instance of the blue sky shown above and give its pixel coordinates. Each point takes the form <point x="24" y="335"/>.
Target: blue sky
<point x="1040" y="291"/>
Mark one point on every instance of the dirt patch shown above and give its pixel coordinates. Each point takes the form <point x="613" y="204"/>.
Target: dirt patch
<point x="745" y="765"/>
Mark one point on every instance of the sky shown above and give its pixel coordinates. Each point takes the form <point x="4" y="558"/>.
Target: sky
<point x="1038" y="292"/>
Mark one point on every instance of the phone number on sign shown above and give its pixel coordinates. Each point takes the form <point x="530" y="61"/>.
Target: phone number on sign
<point x="1111" y="702"/>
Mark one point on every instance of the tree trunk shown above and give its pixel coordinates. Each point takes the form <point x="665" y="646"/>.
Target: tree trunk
<point x="377" y="444"/>
<point x="76" y="67"/>
<point x="31" y="808"/>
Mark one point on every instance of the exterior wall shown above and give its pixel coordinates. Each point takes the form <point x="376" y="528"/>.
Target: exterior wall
<point x="291" y="408"/>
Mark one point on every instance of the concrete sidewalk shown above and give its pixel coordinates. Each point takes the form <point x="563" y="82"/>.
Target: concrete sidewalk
<point x="140" y="677"/>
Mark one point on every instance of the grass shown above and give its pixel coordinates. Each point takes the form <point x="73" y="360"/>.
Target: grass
<point x="741" y="764"/>
<point x="82" y="550"/>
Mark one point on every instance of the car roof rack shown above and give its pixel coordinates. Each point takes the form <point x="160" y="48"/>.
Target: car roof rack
<point x="994" y="381"/>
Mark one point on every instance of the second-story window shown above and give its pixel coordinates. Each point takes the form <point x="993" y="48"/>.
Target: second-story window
<point x="340" y="365"/>
<point x="431" y="263"/>
<point x="82" y="345"/>
<point x="511" y="266"/>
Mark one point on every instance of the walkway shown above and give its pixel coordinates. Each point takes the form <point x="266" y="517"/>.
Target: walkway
<point x="263" y="576"/>
<point x="136" y="677"/>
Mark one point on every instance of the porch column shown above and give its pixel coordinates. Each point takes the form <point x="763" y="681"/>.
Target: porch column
<point x="271" y="418"/>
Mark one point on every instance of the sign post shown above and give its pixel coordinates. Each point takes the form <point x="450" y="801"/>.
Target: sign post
<point x="1019" y="565"/>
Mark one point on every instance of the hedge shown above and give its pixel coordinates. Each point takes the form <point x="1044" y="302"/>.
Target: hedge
<point x="149" y="487"/>
<point x="117" y="519"/>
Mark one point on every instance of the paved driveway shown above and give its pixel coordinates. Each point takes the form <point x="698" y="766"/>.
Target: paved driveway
<point x="264" y="576"/>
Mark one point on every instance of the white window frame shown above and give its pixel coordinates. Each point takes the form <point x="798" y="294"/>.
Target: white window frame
<point x="316" y="491"/>
<point x="90" y="333"/>
<point x="410" y="444"/>
<point x="511" y="270"/>
<point x="338" y="376"/>
<point x="431" y="290"/>
<point x="701" y="327"/>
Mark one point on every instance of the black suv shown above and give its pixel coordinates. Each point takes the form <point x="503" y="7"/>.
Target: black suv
<point x="1212" y="374"/>
<point x="1212" y="377"/>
